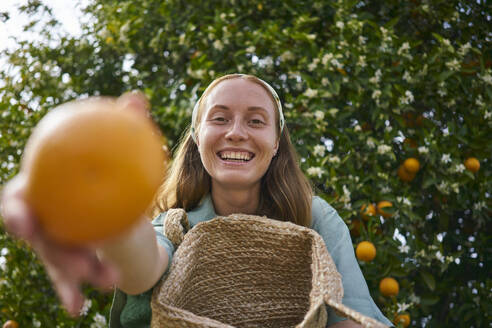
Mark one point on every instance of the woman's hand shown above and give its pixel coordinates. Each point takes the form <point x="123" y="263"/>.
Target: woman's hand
<point x="68" y="267"/>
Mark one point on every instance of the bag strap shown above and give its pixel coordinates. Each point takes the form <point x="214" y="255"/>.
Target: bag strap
<point x="348" y="313"/>
<point x="175" y="225"/>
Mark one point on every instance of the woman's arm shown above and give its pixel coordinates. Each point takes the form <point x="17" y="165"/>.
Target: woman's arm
<point x="139" y="259"/>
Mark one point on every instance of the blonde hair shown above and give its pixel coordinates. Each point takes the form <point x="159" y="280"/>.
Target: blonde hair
<point x="285" y="193"/>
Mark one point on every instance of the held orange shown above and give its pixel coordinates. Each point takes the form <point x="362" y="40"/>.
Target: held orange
<point x="367" y="210"/>
<point x="365" y="251"/>
<point x="472" y="164"/>
<point x="92" y="169"/>
<point x="411" y="165"/>
<point x="381" y="205"/>
<point x="389" y="286"/>
<point x="10" y="324"/>
<point x="402" y="319"/>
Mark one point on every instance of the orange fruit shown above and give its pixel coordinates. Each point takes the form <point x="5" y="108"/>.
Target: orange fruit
<point x="472" y="164"/>
<point x="355" y="227"/>
<point x="92" y="169"/>
<point x="365" y="251"/>
<point x="367" y="210"/>
<point x="10" y="324"/>
<point x="410" y="142"/>
<point x="402" y="319"/>
<point x="412" y="165"/>
<point x="382" y="204"/>
<point x="389" y="286"/>
<point x="404" y="174"/>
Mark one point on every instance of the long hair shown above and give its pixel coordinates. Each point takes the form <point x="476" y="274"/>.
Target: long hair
<point x="285" y="193"/>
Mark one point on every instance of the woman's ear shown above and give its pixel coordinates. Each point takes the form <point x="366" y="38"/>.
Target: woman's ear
<point x="275" y="148"/>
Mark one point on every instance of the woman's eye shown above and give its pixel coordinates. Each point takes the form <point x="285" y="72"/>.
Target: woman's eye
<point x="257" y="122"/>
<point x="219" y="119"/>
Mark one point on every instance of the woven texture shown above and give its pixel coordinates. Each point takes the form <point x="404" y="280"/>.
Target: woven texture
<point x="248" y="271"/>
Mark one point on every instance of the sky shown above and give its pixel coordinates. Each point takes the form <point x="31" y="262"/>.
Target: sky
<point x="67" y="12"/>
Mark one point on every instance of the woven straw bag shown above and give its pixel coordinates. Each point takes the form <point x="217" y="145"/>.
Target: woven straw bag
<point x="247" y="271"/>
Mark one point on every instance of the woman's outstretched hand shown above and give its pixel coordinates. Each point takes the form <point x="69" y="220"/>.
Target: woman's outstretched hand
<point x="68" y="267"/>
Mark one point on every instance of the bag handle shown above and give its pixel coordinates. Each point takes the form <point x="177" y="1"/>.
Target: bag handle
<point x="175" y="225"/>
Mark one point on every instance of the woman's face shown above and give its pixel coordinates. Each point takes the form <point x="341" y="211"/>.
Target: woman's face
<point x="237" y="136"/>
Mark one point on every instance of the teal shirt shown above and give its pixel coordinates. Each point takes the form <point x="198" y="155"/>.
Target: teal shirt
<point x="133" y="311"/>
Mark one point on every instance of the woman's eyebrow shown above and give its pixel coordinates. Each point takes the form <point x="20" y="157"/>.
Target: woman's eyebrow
<point x="250" y="108"/>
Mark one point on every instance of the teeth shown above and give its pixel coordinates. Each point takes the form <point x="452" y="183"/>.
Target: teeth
<point x="235" y="155"/>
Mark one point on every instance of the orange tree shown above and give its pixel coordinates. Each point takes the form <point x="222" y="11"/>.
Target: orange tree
<point x="366" y="85"/>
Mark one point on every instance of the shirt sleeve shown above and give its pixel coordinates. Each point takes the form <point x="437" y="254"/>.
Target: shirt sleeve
<point x="336" y="236"/>
<point x="161" y="239"/>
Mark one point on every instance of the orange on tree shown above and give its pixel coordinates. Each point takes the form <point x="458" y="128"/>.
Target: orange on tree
<point x="472" y="164"/>
<point x="411" y="165"/>
<point x="389" y="286"/>
<point x="404" y="174"/>
<point x="355" y="227"/>
<point x="92" y="169"/>
<point x="365" y="251"/>
<point x="381" y="205"/>
<point x="402" y="319"/>
<point x="367" y="210"/>
<point x="10" y="324"/>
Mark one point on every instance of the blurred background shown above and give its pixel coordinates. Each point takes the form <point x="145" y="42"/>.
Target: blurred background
<point x="366" y="85"/>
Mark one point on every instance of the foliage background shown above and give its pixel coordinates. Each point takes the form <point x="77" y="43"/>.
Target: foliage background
<point x="357" y="79"/>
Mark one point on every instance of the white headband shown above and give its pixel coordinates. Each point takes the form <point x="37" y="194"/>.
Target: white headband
<point x="268" y="86"/>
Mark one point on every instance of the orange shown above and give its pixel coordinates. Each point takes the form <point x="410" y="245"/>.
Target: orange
<point x="92" y="169"/>
<point x="410" y="142"/>
<point x="365" y="251"/>
<point x="404" y="174"/>
<point x="367" y="210"/>
<point x="355" y="227"/>
<point x="472" y="164"/>
<point x="402" y="319"/>
<point x="382" y="204"/>
<point x="412" y="165"/>
<point x="10" y="324"/>
<point x="389" y="286"/>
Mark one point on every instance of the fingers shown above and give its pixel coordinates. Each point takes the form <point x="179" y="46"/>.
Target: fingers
<point x="18" y="217"/>
<point x="135" y="100"/>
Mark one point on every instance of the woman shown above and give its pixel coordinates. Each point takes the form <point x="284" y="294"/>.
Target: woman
<point x="236" y="158"/>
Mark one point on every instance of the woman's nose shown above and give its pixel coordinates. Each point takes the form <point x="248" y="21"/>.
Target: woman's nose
<point x="236" y="131"/>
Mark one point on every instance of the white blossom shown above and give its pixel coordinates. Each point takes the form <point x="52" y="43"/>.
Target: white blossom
<point x="408" y="98"/>
<point x="334" y="159"/>
<point x="336" y="63"/>
<point x="376" y="78"/>
<point x="478" y="206"/>
<point x="442" y="92"/>
<point x="362" y="39"/>
<point x="376" y="94"/>
<point x="439" y="256"/>
<point x="3" y="263"/>
<point x="340" y="25"/>
<point x="402" y="307"/>
<point x="453" y="65"/>
<point x="487" y="78"/>
<point x="315" y="171"/>
<point x="319" y="115"/>
<point x="458" y="168"/>
<point x="487" y="115"/>
<point x="407" y="77"/>
<point x="333" y="111"/>
<point x="383" y="149"/>
<point x="36" y="323"/>
<point x="414" y="298"/>
<point x="324" y="81"/>
<point x="218" y="45"/>
<point x="251" y="49"/>
<point x="86" y="307"/>
<point x="99" y="321"/>
<point x="464" y="49"/>
<point x="362" y="61"/>
<point x="319" y="150"/>
<point x="404" y="249"/>
<point x="443" y="187"/>
<point x="371" y="142"/>
<point x="423" y="150"/>
<point x="326" y="58"/>
<point x="310" y="93"/>
<point x="403" y="49"/>
<point x="404" y="200"/>
<point x="456" y="187"/>
<point x="357" y="128"/>
<point x="388" y="128"/>
<point x="286" y="56"/>
<point x="346" y="195"/>
<point x="479" y="101"/>
<point x="446" y="158"/>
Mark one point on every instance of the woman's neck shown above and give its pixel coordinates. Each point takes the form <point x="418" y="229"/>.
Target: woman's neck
<point x="227" y="201"/>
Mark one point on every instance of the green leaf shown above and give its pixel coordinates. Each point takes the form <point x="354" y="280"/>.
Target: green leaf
<point x="428" y="279"/>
